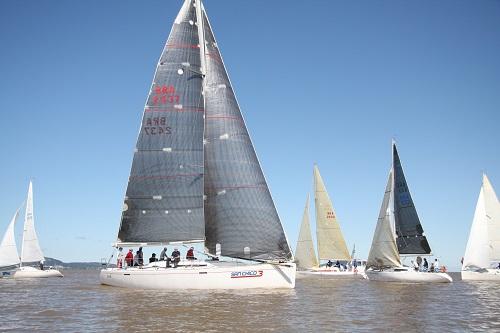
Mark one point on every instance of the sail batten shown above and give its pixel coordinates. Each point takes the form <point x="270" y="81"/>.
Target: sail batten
<point x="331" y="243"/>
<point x="304" y="254"/>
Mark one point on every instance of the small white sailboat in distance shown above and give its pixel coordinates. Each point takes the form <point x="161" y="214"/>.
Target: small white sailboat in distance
<point x="330" y="241"/>
<point x="195" y="177"/>
<point x="30" y="251"/>
<point x="398" y="232"/>
<point x="482" y="255"/>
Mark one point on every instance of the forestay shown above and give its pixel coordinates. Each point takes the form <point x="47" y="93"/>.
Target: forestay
<point x="164" y="198"/>
<point x="409" y="231"/>
<point x="30" y="251"/>
<point x="239" y="211"/>
<point x="305" y="257"/>
<point x="331" y="243"/>
<point x="384" y="251"/>
<point x="8" y="248"/>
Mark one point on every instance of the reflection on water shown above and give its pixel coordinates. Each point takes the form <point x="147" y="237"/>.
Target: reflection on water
<point x="78" y="303"/>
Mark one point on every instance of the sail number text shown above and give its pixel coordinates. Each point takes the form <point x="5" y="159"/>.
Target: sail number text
<point x="156" y="126"/>
<point x="165" y="94"/>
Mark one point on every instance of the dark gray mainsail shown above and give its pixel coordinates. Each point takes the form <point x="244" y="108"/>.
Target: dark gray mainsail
<point x="239" y="210"/>
<point x="164" y="198"/>
<point x="410" y="236"/>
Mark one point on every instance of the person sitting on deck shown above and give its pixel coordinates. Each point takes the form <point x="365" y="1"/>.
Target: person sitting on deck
<point x="436" y="265"/>
<point x="415" y="266"/>
<point x="140" y="257"/>
<point x="337" y="264"/>
<point x="329" y="263"/>
<point x="41" y="265"/>
<point x="164" y="256"/>
<point x="431" y="270"/>
<point x="153" y="258"/>
<point x="426" y="265"/>
<point x="129" y="258"/>
<point x="190" y="254"/>
<point x="136" y="258"/>
<point x="176" y="257"/>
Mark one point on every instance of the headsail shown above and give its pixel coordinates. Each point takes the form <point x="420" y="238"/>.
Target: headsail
<point x="483" y="244"/>
<point x="239" y="210"/>
<point x="304" y="254"/>
<point x="410" y="235"/>
<point x="30" y="250"/>
<point x="384" y="251"/>
<point x="331" y="243"/>
<point x="164" y="198"/>
<point x="8" y="248"/>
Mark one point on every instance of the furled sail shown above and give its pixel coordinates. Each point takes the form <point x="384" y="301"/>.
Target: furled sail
<point x="164" y="198"/>
<point x="30" y="250"/>
<point x="483" y="245"/>
<point x="409" y="232"/>
<point x="239" y="212"/>
<point x="331" y="243"/>
<point x="8" y="248"/>
<point x="384" y="251"/>
<point x="305" y="256"/>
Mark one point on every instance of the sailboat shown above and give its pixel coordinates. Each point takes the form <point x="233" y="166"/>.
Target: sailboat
<point x="195" y="177"/>
<point x="30" y="251"/>
<point x="482" y="255"/>
<point x="330" y="241"/>
<point x="398" y="232"/>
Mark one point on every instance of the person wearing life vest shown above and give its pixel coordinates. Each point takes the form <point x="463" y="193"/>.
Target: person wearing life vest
<point x="129" y="258"/>
<point x="190" y="254"/>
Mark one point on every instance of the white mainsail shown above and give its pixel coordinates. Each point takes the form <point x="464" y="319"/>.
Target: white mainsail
<point x="30" y="251"/>
<point x="304" y="254"/>
<point x="8" y="248"/>
<point x="331" y="243"/>
<point x="384" y="251"/>
<point x="483" y="245"/>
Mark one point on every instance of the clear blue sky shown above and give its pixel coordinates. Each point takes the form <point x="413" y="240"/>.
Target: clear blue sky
<point x="329" y="82"/>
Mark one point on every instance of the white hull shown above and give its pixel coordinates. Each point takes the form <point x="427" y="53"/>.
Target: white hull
<point x="333" y="273"/>
<point x="489" y="275"/>
<point x="408" y="277"/>
<point x="219" y="275"/>
<point x="31" y="272"/>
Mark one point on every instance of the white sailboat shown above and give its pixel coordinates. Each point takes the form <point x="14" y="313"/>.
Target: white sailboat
<point x="195" y="177"/>
<point x="482" y="255"/>
<point x="30" y="251"/>
<point x="330" y="241"/>
<point x="398" y="232"/>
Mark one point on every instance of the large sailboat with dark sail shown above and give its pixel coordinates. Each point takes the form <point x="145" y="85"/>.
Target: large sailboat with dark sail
<point x="398" y="233"/>
<point x="195" y="177"/>
<point x="334" y="257"/>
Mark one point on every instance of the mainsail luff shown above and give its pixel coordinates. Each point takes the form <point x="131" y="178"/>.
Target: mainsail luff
<point x="30" y="250"/>
<point x="239" y="210"/>
<point x="164" y="198"/>
<point x="331" y="243"/>
<point x="305" y="257"/>
<point x="410" y="234"/>
<point x="384" y="251"/>
<point x="8" y="249"/>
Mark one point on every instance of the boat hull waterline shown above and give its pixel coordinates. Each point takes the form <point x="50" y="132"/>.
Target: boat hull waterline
<point x="334" y="274"/>
<point x="489" y="275"/>
<point x="31" y="272"/>
<point x="211" y="276"/>
<point x="408" y="277"/>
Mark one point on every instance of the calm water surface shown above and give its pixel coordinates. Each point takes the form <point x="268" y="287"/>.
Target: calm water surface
<point x="77" y="303"/>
